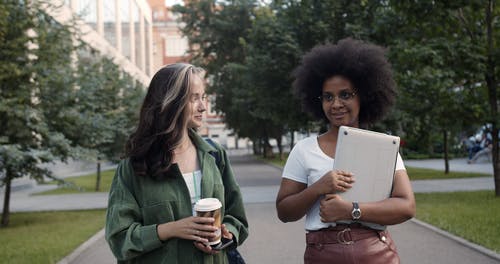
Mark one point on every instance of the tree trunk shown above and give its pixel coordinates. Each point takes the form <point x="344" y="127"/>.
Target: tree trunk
<point x="446" y="158"/>
<point x="6" y="201"/>
<point x="495" y="158"/>
<point x="256" y="146"/>
<point x="268" y="149"/>
<point x="98" y="181"/>
<point x="292" y="140"/>
<point x="280" y="147"/>
<point x="491" y="83"/>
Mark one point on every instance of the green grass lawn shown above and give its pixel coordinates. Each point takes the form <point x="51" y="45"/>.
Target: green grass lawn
<point x="47" y="237"/>
<point x="86" y="183"/>
<point x="473" y="216"/>
<point x="430" y="174"/>
<point x="275" y="161"/>
<point x="414" y="173"/>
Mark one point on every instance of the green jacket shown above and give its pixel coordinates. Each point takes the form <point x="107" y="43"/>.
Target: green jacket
<point x="138" y="204"/>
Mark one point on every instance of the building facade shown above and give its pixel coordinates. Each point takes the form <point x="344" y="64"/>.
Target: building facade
<point x="119" y="29"/>
<point x="169" y="44"/>
<point x="141" y="36"/>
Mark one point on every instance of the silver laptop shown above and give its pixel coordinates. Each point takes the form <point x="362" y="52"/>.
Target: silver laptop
<point x="371" y="156"/>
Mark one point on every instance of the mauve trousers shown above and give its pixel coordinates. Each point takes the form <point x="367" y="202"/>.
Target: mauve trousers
<point x="373" y="247"/>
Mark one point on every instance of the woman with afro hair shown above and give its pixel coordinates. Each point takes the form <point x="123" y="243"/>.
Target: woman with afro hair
<point x="348" y="84"/>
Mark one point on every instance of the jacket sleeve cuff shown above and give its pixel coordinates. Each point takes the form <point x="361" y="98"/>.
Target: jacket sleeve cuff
<point x="150" y="237"/>
<point x="233" y="231"/>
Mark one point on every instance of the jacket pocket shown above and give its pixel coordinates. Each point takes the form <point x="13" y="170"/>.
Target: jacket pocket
<point x="160" y="212"/>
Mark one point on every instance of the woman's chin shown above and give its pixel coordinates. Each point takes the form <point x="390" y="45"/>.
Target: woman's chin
<point x="197" y="124"/>
<point x="339" y="123"/>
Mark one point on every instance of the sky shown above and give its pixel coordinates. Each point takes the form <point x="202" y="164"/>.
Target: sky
<point x="172" y="2"/>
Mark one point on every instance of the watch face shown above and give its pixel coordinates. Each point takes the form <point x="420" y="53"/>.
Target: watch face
<point x="356" y="213"/>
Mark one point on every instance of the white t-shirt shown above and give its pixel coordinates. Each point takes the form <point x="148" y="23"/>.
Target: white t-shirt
<point x="193" y="182"/>
<point x="306" y="164"/>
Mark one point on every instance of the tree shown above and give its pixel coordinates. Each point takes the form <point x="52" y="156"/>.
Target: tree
<point x="250" y="52"/>
<point x="437" y="99"/>
<point x="106" y="96"/>
<point x="271" y="55"/>
<point x="51" y="109"/>
<point x="463" y="35"/>
<point x="28" y="138"/>
<point x="443" y="55"/>
<point x="216" y="31"/>
<point x="314" y="22"/>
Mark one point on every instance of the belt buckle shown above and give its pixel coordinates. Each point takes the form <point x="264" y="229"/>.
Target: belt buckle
<point x="342" y="239"/>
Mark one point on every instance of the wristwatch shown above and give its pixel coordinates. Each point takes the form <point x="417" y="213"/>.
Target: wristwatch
<point x="356" y="212"/>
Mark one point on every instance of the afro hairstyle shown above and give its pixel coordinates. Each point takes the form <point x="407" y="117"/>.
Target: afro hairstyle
<point x="364" y="64"/>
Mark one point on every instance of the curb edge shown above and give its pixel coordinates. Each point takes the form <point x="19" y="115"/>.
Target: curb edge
<point x="488" y="252"/>
<point x="79" y="250"/>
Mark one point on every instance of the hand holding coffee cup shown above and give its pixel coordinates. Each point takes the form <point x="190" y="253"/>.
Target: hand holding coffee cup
<point x="211" y="207"/>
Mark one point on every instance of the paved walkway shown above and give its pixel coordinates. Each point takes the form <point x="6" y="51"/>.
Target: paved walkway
<point x="461" y="165"/>
<point x="455" y="165"/>
<point x="270" y="240"/>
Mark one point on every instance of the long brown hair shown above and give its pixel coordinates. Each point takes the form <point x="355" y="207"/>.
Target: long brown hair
<point x="162" y="120"/>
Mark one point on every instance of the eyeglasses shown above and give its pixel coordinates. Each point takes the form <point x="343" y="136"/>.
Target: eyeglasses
<point x="343" y="96"/>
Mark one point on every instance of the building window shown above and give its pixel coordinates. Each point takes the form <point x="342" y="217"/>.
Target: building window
<point x="211" y="106"/>
<point x="137" y="35"/>
<point x="125" y="21"/>
<point x="175" y="46"/>
<point x="110" y="22"/>
<point x="87" y="10"/>
<point x="158" y="15"/>
<point x="134" y="20"/>
<point x="147" y="34"/>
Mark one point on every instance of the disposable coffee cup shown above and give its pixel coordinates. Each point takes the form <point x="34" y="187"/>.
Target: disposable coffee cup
<point x="210" y="207"/>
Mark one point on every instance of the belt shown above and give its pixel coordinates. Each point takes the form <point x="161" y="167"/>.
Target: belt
<point x="342" y="234"/>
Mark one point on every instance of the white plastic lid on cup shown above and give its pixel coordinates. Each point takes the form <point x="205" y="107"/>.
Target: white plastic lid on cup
<point x="207" y="204"/>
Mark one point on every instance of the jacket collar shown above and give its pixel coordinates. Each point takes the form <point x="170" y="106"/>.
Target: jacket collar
<point x="200" y="143"/>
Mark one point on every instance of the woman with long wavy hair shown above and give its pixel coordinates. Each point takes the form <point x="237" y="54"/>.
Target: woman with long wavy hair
<point x="167" y="168"/>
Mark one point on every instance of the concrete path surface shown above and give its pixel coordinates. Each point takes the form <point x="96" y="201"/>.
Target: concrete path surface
<point x="272" y="241"/>
<point x="455" y="165"/>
